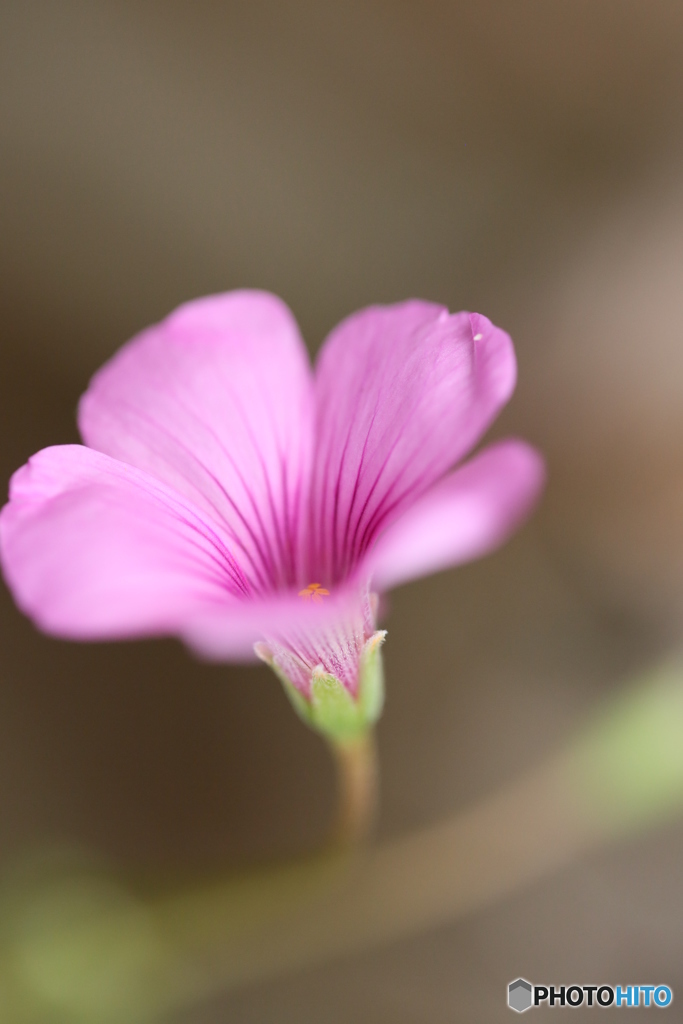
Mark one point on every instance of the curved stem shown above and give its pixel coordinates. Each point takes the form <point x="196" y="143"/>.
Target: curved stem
<point x="357" y="780"/>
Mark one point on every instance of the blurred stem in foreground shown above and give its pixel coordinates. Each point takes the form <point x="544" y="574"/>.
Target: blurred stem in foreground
<point x="87" y="951"/>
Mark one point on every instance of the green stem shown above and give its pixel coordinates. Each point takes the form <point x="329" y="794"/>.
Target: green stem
<point x="357" y="779"/>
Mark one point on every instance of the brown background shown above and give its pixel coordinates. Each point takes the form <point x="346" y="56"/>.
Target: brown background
<point x="519" y="158"/>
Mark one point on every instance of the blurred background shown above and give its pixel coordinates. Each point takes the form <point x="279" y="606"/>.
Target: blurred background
<point x="520" y="159"/>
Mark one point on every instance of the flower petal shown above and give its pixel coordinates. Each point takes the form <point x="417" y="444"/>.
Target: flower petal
<point x="402" y="393"/>
<point x="466" y="515"/>
<point x="93" y="548"/>
<point x="216" y="401"/>
<point x="300" y="634"/>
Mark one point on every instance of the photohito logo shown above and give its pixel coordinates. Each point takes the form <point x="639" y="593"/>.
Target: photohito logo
<point x="522" y="995"/>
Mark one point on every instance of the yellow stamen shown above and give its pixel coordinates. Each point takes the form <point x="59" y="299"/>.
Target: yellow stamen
<point x="314" y="592"/>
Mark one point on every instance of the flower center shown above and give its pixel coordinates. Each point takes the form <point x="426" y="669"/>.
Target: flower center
<point x="314" y="592"/>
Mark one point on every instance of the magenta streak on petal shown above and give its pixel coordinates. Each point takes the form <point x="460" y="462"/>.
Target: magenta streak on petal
<point x="333" y="642"/>
<point x="336" y="569"/>
<point x="356" y="550"/>
<point x="402" y="398"/>
<point x="290" y="541"/>
<point x="350" y="549"/>
<point x="94" y="548"/>
<point x="270" y="563"/>
<point x="260" y="567"/>
<point x="386" y="507"/>
<point x="334" y="555"/>
<point x="267" y="562"/>
<point x="379" y="513"/>
<point x="280" y="572"/>
<point x="290" y="517"/>
<point x="270" y="559"/>
<point x="236" y="368"/>
<point x="225" y="563"/>
<point x="469" y="513"/>
<point x="389" y="501"/>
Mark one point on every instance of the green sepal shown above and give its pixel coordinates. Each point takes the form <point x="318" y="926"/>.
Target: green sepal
<point x="331" y="709"/>
<point x="371" y="688"/>
<point x="334" y="712"/>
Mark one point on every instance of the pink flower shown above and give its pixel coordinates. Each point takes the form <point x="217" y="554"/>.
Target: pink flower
<point x="228" y="495"/>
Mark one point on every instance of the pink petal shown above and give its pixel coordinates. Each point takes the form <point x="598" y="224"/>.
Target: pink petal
<point x="300" y="634"/>
<point x="466" y="515"/>
<point x="216" y="401"/>
<point x="402" y="392"/>
<point x="93" y="548"/>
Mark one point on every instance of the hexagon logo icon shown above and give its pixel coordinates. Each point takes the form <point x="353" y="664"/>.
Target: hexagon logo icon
<point x="519" y="995"/>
